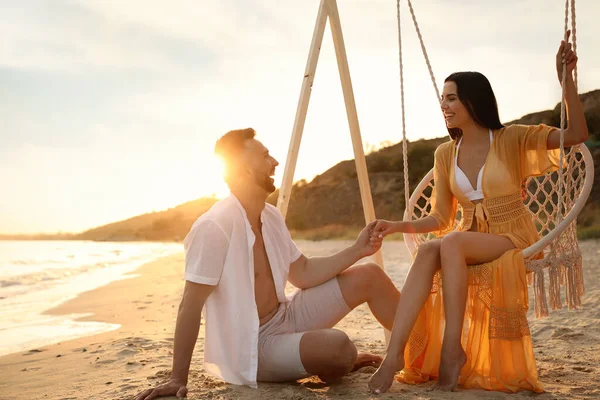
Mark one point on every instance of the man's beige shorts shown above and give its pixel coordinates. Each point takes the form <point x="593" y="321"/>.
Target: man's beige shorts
<point x="319" y="307"/>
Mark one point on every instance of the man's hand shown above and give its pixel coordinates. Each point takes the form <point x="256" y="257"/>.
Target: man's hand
<point x="186" y="334"/>
<point x="367" y="243"/>
<point x="171" y="388"/>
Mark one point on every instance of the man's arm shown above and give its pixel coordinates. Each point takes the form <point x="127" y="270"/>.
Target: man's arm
<point x="308" y="272"/>
<point x="187" y="328"/>
<point x="186" y="334"/>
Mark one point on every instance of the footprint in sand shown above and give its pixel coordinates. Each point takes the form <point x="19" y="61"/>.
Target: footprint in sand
<point x="565" y="333"/>
<point x="127" y="352"/>
<point x="109" y="361"/>
<point x="543" y="333"/>
<point x="578" y="390"/>
<point x="583" y="369"/>
<point x="128" y="386"/>
<point x="34" y="351"/>
<point x="132" y="366"/>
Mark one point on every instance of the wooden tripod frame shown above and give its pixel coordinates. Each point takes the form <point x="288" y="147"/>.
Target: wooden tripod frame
<point x="328" y="9"/>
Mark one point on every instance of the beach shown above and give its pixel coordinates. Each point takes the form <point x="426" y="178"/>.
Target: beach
<point x="120" y="363"/>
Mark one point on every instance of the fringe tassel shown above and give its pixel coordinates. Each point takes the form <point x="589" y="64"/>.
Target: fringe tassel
<point x="554" y="273"/>
<point x="574" y="285"/>
<point x="579" y="276"/>
<point x="570" y="289"/>
<point x="529" y="275"/>
<point x="539" y="293"/>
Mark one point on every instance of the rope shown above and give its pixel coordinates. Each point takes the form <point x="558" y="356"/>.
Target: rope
<point x="561" y="180"/>
<point x="404" y="144"/>
<point x="435" y="88"/>
<point x="563" y="107"/>
<point x="574" y="33"/>
<point x="564" y="261"/>
<point x="424" y="50"/>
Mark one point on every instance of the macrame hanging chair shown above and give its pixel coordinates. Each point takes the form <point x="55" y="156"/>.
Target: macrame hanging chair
<point x="554" y="200"/>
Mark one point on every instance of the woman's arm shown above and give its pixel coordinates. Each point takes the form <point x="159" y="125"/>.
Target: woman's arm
<point x="577" y="131"/>
<point x="422" y="225"/>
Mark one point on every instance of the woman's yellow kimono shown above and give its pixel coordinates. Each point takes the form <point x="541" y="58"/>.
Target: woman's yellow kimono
<point x="496" y="334"/>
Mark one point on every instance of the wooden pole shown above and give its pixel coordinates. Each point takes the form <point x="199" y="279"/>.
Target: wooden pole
<point x="328" y="8"/>
<point x="357" y="144"/>
<point x="309" y="76"/>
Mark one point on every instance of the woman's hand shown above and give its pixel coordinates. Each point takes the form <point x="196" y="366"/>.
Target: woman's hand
<point x="383" y="228"/>
<point x="565" y="56"/>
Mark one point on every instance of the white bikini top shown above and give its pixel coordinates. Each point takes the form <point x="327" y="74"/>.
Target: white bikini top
<point x="463" y="182"/>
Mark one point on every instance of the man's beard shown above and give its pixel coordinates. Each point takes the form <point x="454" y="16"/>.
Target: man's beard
<point x="267" y="184"/>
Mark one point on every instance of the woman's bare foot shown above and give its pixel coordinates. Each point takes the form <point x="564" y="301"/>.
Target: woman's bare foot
<point x="383" y="378"/>
<point x="366" y="360"/>
<point x="451" y="364"/>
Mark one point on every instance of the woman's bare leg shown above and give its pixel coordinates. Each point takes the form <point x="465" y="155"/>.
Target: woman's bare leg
<point x="415" y="291"/>
<point x="459" y="249"/>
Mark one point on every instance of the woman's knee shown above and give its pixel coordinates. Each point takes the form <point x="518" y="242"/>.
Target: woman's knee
<point x="451" y="245"/>
<point x="430" y="252"/>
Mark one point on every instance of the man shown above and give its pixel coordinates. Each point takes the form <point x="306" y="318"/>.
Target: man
<point x="239" y="256"/>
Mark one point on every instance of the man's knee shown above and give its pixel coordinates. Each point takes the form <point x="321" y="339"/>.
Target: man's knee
<point x="370" y="275"/>
<point x="343" y="351"/>
<point x="328" y="353"/>
<point x="360" y="283"/>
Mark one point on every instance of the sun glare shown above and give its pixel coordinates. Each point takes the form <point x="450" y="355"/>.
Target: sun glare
<point x="212" y="183"/>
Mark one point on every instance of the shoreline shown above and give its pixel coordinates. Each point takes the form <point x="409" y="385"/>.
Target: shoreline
<point x="53" y="273"/>
<point x="132" y="303"/>
<point x="120" y="363"/>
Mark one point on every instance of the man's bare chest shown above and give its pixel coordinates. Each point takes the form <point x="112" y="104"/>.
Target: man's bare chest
<point x="262" y="266"/>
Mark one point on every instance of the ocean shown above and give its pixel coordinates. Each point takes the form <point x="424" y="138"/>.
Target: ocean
<point x="38" y="275"/>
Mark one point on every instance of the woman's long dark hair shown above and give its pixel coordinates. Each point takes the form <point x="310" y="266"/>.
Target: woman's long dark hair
<point x="475" y="92"/>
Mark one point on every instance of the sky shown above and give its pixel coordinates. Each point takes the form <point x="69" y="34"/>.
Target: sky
<point x="110" y="109"/>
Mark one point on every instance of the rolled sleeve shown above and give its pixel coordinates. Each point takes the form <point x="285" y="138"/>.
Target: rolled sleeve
<point x="295" y="252"/>
<point x="535" y="157"/>
<point x="443" y="202"/>
<point x="206" y="248"/>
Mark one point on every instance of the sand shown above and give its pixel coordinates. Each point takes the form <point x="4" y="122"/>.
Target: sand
<point x="120" y="363"/>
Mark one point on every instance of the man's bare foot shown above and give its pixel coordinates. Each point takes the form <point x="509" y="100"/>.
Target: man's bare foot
<point x="366" y="360"/>
<point x="383" y="378"/>
<point x="450" y="366"/>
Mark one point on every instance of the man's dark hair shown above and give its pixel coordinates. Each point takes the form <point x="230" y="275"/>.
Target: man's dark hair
<point x="230" y="145"/>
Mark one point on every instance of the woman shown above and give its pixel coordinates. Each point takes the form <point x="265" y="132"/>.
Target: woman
<point x="482" y="168"/>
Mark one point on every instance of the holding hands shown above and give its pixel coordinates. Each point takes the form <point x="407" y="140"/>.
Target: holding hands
<point x="365" y="244"/>
<point x="382" y="228"/>
<point x="371" y="237"/>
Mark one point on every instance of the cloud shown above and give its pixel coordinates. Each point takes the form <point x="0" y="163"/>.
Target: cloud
<point x="106" y="101"/>
<point x="66" y="36"/>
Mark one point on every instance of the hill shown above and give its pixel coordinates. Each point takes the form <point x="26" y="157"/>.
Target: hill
<point x="330" y="205"/>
